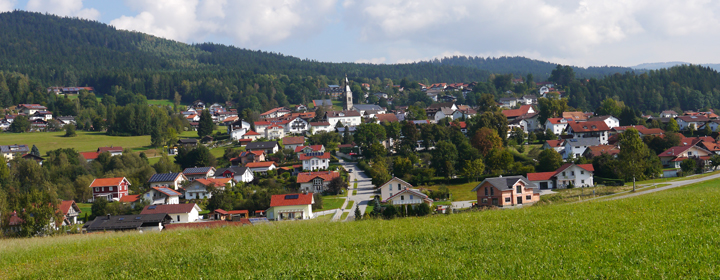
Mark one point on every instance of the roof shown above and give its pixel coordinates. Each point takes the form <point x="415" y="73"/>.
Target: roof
<point x="505" y="183"/>
<point x="413" y="192"/>
<point x="322" y="102"/>
<point x="555" y="143"/>
<point x="386" y="117"/>
<point x="255" y="153"/>
<point x="309" y="176"/>
<point x="517" y="112"/>
<point x="164" y="177"/>
<point x="669" y="112"/>
<point x="233" y="169"/>
<point x="66" y="204"/>
<point x="167" y="191"/>
<point x="278" y="109"/>
<point x="169" y="208"/>
<point x="211" y="181"/>
<point x="602" y="149"/>
<point x="197" y="170"/>
<point x="33" y="106"/>
<point x="320" y="155"/>
<point x="651" y="131"/>
<point x="576" y="116"/>
<point x="130" y="198"/>
<point x="320" y="124"/>
<point x="107" y="182"/>
<point x="342" y="114"/>
<point x="395" y="178"/>
<point x="24" y="149"/>
<point x="293" y="140"/>
<point x="541" y="176"/>
<point x="600" y="118"/>
<point x="593" y="126"/>
<point x="626" y="127"/>
<point x="588" y="167"/>
<point x="259" y="164"/>
<point x="314" y="148"/>
<point x="261" y="145"/>
<point x="698" y="118"/>
<point x="590" y="141"/>
<point x="675" y="151"/>
<point x="124" y="222"/>
<point x="109" y="149"/>
<point x="291" y="199"/>
<point x="365" y="107"/>
<point x="251" y="133"/>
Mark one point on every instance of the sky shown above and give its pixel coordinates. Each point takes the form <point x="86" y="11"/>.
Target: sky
<point x="582" y="33"/>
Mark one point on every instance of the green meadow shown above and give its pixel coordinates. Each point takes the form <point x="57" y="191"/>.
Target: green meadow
<point x="673" y="234"/>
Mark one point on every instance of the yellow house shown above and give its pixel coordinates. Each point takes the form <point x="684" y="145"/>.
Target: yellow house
<point x="297" y="206"/>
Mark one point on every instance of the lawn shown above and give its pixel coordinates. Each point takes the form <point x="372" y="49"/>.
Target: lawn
<point x="460" y="192"/>
<point x="350" y="204"/>
<point x="344" y="216"/>
<point x="85" y="141"/>
<point x="666" y="235"/>
<point x="331" y="203"/>
<point x="160" y="102"/>
<point x="84" y="208"/>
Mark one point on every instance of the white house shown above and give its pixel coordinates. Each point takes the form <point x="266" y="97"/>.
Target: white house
<point x="293" y="142"/>
<point x="347" y="118"/>
<point x="162" y="195"/>
<point x="274" y="132"/>
<point x="275" y="112"/>
<point x="408" y="197"/>
<point x="269" y="147"/>
<point x="291" y="207"/>
<point x="261" y="167"/>
<point x="180" y="213"/>
<point x="170" y="180"/>
<point x="315" y="161"/>
<point x="508" y="102"/>
<point x="668" y="114"/>
<point x="193" y="173"/>
<point x="297" y="126"/>
<point x="392" y="187"/>
<point x="588" y="129"/>
<point x="237" y="173"/>
<point x="556" y="125"/>
<point x="686" y="121"/>
<point x="578" y="175"/>
<point x="316" y="127"/>
<point x="198" y="189"/>
<point x="316" y="182"/>
<point x="612" y="122"/>
<point x="575" y="147"/>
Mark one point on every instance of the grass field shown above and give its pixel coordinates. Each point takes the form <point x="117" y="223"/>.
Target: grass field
<point x="331" y="203"/>
<point x="85" y="208"/>
<point x="350" y="204"/>
<point x="666" y="235"/>
<point x="161" y="102"/>
<point x="344" y="216"/>
<point x="461" y="192"/>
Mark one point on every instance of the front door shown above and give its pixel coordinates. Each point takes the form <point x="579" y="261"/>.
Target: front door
<point x="519" y="200"/>
<point x="543" y="185"/>
<point x="495" y="201"/>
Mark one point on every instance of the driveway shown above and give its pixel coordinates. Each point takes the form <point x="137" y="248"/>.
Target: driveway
<point x="365" y="189"/>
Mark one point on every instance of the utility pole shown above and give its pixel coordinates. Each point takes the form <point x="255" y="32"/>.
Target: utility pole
<point x="633" y="183"/>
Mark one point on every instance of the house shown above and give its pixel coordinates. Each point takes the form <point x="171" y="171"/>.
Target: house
<point x="269" y="147"/>
<point x="237" y="173"/>
<point x="275" y="112"/>
<point x="368" y="107"/>
<point x="252" y="135"/>
<point x="193" y="173"/>
<point x="170" y="180"/>
<point x="238" y="128"/>
<point x="408" y="196"/>
<point x="236" y="215"/>
<point x="508" y="102"/>
<point x="441" y="113"/>
<point x="506" y="191"/>
<point x="464" y="112"/>
<point x="200" y="188"/>
<point x="70" y="212"/>
<point x="575" y="147"/>
<point x="37" y="159"/>
<point x="316" y="127"/>
<point x="668" y="114"/>
<point x="114" y="151"/>
<point x="392" y="187"/>
<point x="594" y="151"/>
<point x="710" y="146"/>
<point x="30" y="109"/>
<point x="684" y="122"/>
<point x="594" y="129"/>
<point x="179" y="213"/>
<point x="556" y="125"/>
<point x="390" y="118"/>
<point x="110" y="188"/>
<point x="147" y="222"/>
<point x="575" y="116"/>
<point x="297" y="125"/>
<point x="322" y="103"/>
<point x="131" y="198"/>
<point x="187" y="142"/>
<point x="309" y="149"/>
<point x="261" y="167"/>
<point x="346" y="118"/>
<point x="9" y="151"/>
<point x="558" y="145"/>
<point x="291" y="207"/>
<point x="162" y="195"/>
<point x="245" y="157"/>
<point x="89" y="156"/>
<point x="274" y="132"/>
<point x="578" y="175"/>
<point x="671" y="158"/>
<point x="65" y="120"/>
<point x="528" y="100"/>
<point x="293" y="142"/>
<point x="41" y="115"/>
<point x="316" y="182"/>
<point x="515" y="113"/>
<point x="315" y="161"/>
<point x="301" y="108"/>
<point x="610" y="121"/>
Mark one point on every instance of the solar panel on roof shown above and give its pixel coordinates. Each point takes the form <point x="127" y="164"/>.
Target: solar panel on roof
<point x="121" y="219"/>
<point x="139" y="217"/>
<point x="291" y="196"/>
<point x="151" y="207"/>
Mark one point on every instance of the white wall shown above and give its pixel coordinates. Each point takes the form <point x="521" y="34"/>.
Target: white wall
<point x="392" y="187"/>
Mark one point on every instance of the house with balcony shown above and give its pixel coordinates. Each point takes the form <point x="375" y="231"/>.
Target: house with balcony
<point x="315" y="161"/>
<point x="506" y="191"/>
<point x="70" y="211"/>
<point x="408" y="197"/>
<point x="202" y="188"/>
<point x="296" y="206"/>
<point x="346" y="118"/>
<point x="316" y="182"/>
<point x="194" y="173"/>
<point x="556" y="125"/>
<point x="262" y="167"/>
<point x="169" y="180"/>
<point x="578" y="175"/>
<point x="237" y="173"/>
<point x="671" y="158"/>
<point x="112" y="189"/>
<point x="392" y="187"/>
<point x="610" y="121"/>
<point x="589" y="129"/>
<point x="162" y="195"/>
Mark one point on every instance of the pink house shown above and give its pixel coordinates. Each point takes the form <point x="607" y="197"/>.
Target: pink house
<point x="506" y="191"/>
<point x="110" y="188"/>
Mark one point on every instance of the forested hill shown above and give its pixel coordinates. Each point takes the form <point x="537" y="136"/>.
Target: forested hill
<point x="521" y="66"/>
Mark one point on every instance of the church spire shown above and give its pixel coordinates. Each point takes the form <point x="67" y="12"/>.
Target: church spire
<point x="348" y="95"/>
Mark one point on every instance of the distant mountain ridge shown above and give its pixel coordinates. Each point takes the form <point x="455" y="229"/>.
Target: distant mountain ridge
<point x="661" y="65"/>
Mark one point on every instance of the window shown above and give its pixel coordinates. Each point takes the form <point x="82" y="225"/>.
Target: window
<point x="583" y="181"/>
<point x="486" y="190"/>
<point x="402" y="197"/>
<point x="391" y="187"/>
<point x="507" y="200"/>
<point x="563" y="173"/>
<point x="102" y="189"/>
<point x="111" y="188"/>
<point x="492" y="191"/>
<point x="178" y="218"/>
<point x="390" y="194"/>
<point x="572" y="173"/>
<point x="582" y="172"/>
<point x="411" y="197"/>
<point x="484" y="200"/>
<point x="528" y="197"/>
<point x="518" y="189"/>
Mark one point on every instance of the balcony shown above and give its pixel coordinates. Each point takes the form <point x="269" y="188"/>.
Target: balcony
<point x="407" y="201"/>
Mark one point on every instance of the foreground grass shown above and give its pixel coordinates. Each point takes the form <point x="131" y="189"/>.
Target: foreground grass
<point x="666" y="235"/>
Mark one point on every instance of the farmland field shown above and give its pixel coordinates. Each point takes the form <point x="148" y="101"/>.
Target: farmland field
<point x="666" y="235"/>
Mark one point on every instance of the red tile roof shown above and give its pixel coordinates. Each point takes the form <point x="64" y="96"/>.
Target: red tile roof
<point x="251" y="133"/>
<point x="314" y="148"/>
<point x="288" y="200"/>
<point x="309" y="176"/>
<point x="386" y="117"/>
<point x="517" y="112"/>
<point x="89" y="155"/>
<point x="320" y="124"/>
<point x="129" y="198"/>
<point x="325" y="155"/>
<point x="275" y="110"/>
<point x="218" y="182"/>
<point x="168" y="209"/>
<point x="555" y="120"/>
<point x="65" y="206"/>
<point x="540" y="176"/>
<point x="577" y="116"/>
<point x="259" y="164"/>
<point x="588" y="126"/>
<point x="602" y="149"/>
<point x="233" y="212"/>
<point x="107" y="182"/>
<point x="109" y="149"/>
<point x="293" y="140"/>
<point x="167" y="191"/>
<point x="555" y="143"/>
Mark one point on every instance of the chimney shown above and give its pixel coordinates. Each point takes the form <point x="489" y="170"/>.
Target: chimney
<point x="500" y="176"/>
<point x="108" y="216"/>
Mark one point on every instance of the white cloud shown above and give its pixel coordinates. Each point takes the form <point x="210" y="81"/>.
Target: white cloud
<point x="249" y="23"/>
<point x="579" y="31"/>
<point x="71" y="8"/>
<point x="7" y="5"/>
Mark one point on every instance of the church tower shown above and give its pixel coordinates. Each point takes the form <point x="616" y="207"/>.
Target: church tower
<point x="348" y="95"/>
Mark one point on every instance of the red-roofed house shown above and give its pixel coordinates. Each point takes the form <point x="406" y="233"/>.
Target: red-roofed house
<point x="310" y="149"/>
<point x="110" y="188"/>
<point x="198" y="189"/>
<point x="89" y="156"/>
<point x="297" y="206"/>
<point x="386" y="118"/>
<point x="131" y="198"/>
<point x="29" y="109"/>
<point x="222" y="215"/>
<point x="558" y="145"/>
<point x="578" y="175"/>
<point x="251" y="156"/>
<point x="180" y="213"/>
<point x="556" y="125"/>
<point x="114" y="151"/>
<point x="594" y="151"/>
<point x="316" y="127"/>
<point x="315" y="160"/>
<point x="261" y="167"/>
<point x="274" y="131"/>
<point x="594" y="129"/>
<point x="316" y="181"/>
<point x="275" y="112"/>
<point x="514" y="113"/>
<point x="293" y="142"/>
<point x="70" y="212"/>
<point x="675" y="155"/>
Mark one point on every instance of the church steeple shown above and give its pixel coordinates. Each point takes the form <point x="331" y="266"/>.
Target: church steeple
<point x="348" y="95"/>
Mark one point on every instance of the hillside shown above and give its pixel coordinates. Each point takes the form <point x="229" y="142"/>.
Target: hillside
<point x="669" y="234"/>
<point x="661" y="65"/>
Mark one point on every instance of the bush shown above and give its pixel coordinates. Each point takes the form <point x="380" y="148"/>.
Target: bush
<point x="389" y="212"/>
<point x="70" y="131"/>
<point x="423" y="209"/>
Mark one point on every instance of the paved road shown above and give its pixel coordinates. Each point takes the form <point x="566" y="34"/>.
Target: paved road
<point x="365" y="189"/>
<point x="672" y="185"/>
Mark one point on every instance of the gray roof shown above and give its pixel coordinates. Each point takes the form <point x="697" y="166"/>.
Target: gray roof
<point x="234" y="169"/>
<point x="197" y="170"/>
<point x="163" y="177"/>
<point x="14" y="149"/>
<point x="447" y="111"/>
<point x="441" y="105"/>
<point x="322" y="102"/>
<point x="261" y="145"/>
<point x="365" y="107"/>
<point x="188" y="141"/>
<point x="507" y="99"/>
<point x="592" y="141"/>
<point x="127" y="222"/>
<point x="504" y="183"/>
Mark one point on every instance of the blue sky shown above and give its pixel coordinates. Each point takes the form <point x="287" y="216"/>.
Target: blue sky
<point x="578" y="32"/>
